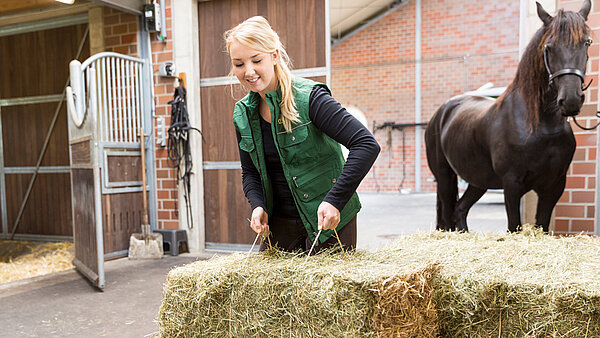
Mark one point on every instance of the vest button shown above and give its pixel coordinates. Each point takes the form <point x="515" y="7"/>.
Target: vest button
<point x="293" y="138"/>
<point x="333" y="180"/>
<point x="305" y="195"/>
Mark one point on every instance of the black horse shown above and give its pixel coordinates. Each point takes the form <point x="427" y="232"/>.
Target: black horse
<point x="520" y="141"/>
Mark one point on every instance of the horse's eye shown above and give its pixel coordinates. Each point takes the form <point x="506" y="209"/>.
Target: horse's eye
<point x="588" y="42"/>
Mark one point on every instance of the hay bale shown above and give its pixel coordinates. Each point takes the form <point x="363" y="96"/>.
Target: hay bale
<point x="526" y="284"/>
<point x="329" y="296"/>
<point x="433" y="284"/>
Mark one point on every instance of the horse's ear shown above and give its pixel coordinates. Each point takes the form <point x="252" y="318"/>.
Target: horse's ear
<point x="585" y="9"/>
<point x="542" y="14"/>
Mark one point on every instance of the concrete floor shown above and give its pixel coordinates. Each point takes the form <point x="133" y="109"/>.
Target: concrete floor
<point x="66" y="305"/>
<point x="384" y="217"/>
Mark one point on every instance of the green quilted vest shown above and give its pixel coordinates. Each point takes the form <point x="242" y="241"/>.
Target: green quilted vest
<point x="311" y="160"/>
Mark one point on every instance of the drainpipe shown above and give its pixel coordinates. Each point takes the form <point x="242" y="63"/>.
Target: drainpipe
<point x="522" y="27"/>
<point x="418" y="96"/>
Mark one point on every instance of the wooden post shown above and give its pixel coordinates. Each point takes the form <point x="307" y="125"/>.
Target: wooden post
<point x="96" y="22"/>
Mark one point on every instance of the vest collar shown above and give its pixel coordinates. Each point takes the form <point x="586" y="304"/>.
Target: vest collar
<point x="252" y="100"/>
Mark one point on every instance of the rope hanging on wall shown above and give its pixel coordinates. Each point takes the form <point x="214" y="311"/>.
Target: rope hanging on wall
<point x="178" y="145"/>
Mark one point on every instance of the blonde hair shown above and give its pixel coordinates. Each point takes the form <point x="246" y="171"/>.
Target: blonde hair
<point x="256" y="33"/>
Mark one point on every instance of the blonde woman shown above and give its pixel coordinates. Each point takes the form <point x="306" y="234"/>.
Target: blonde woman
<point x="289" y="131"/>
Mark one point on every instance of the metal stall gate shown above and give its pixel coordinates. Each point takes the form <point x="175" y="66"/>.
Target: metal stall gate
<point x="109" y="96"/>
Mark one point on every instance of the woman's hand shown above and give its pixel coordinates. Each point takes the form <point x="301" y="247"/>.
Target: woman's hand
<point x="260" y="221"/>
<point x="329" y="216"/>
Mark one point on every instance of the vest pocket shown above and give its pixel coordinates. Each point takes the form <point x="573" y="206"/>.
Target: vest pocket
<point x="298" y="135"/>
<point x="246" y="143"/>
<point x="316" y="183"/>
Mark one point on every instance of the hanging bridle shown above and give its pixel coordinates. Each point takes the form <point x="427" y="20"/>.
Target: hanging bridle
<point x="569" y="71"/>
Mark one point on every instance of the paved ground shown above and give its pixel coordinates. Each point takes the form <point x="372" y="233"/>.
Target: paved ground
<point x="386" y="216"/>
<point x="66" y="305"/>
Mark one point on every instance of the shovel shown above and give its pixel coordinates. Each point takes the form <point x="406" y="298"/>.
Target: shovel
<point x="146" y="245"/>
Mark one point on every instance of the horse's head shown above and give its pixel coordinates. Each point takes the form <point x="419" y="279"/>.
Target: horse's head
<point x="565" y="45"/>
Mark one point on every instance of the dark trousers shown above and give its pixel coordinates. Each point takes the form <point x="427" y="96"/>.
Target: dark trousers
<point x="289" y="234"/>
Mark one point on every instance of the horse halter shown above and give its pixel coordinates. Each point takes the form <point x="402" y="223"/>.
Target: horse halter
<point x="572" y="71"/>
<point x="565" y="71"/>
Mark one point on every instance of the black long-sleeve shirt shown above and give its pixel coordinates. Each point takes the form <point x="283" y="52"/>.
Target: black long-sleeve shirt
<point x="334" y="120"/>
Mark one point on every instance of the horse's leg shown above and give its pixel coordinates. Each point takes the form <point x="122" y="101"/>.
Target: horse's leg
<point x="546" y="202"/>
<point x="471" y="195"/>
<point x="439" y="225"/>
<point x="513" y="191"/>
<point x="447" y="190"/>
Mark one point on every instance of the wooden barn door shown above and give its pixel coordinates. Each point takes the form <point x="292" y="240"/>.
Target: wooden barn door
<point x="302" y="27"/>
<point x="34" y="72"/>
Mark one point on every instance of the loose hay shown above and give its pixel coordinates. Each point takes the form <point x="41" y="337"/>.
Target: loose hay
<point x="426" y="285"/>
<point x="21" y="259"/>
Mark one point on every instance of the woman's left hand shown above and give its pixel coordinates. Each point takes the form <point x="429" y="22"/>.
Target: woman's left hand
<point x="329" y="216"/>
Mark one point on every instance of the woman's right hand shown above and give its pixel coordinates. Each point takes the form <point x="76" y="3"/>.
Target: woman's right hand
<point x="260" y="221"/>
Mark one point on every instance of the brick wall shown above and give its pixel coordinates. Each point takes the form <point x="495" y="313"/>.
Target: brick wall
<point x="575" y="211"/>
<point x="120" y="32"/>
<point x="465" y="44"/>
<point x="121" y="37"/>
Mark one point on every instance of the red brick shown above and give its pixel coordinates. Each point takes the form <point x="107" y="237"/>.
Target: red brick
<point x="580" y="225"/>
<point x="591" y="183"/>
<point x="111" y="19"/>
<point x="575" y="182"/>
<point x="168" y="184"/>
<point x="162" y="173"/>
<point x="132" y="50"/>
<point x="171" y="224"/>
<point x="121" y="49"/>
<point x="163" y="215"/>
<point x="583" y="168"/>
<point x="112" y="41"/>
<point x="586" y="139"/>
<point x="168" y="204"/>
<point x="561" y="225"/>
<point x="591" y="211"/>
<point x="162" y="194"/>
<point x="119" y="29"/>
<point x="592" y="154"/>
<point x="126" y="17"/>
<point x="128" y="38"/>
<point x="565" y="197"/>
<point x="583" y="196"/>
<point x="579" y="155"/>
<point x="564" y="210"/>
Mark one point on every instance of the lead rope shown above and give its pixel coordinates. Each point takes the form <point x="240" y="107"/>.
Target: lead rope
<point x="584" y="128"/>
<point x="178" y="146"/>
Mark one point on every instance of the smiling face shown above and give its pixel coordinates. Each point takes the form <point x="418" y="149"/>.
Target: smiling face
<point x="254" y="69"/>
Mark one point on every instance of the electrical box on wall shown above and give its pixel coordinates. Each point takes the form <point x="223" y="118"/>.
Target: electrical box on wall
<point x="152" y="21"/>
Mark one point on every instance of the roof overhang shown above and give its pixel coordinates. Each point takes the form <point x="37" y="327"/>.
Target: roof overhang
<point x="129" y="6"/>
<point x="347" y="16"/>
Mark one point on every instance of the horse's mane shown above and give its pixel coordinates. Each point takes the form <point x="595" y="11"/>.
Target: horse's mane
<point x="531" y="78"/>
